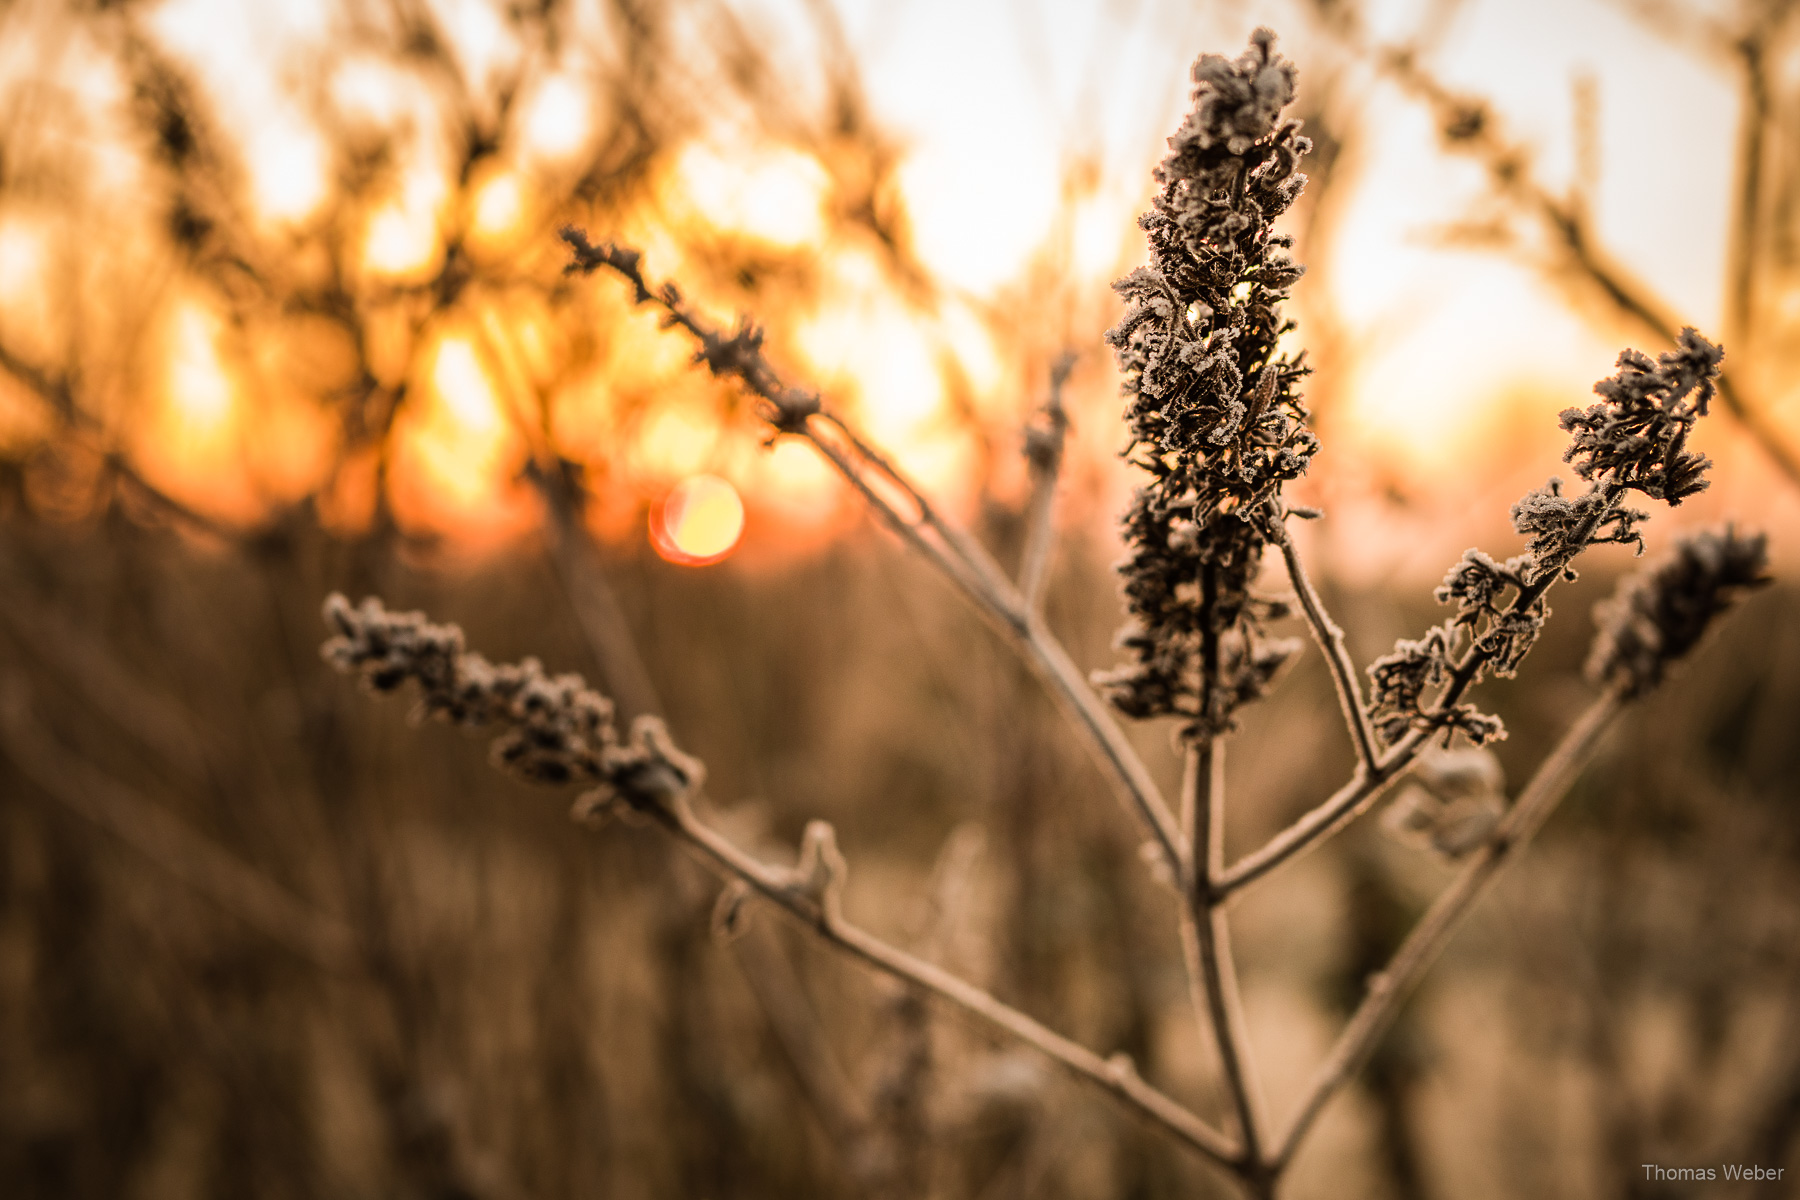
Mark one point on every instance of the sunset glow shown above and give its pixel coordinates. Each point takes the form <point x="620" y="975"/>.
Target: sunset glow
<point x="1009" y="156"/>
<point x="464" y="389"/>
<point x="499" y="205"/>
<point x="21" y="261"/>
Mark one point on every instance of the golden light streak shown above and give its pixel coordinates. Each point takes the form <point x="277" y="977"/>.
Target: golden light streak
<point x="793" y="476"/>
<point x="368" y="89"/>
<point x="676" y="440"/>
<point x="699" y="522"/>
<point x="456" y="459"/>
<point x="1103" y="232"/>
<point x="878" y="353"/>
<point x="977" y="217"/>
<point x="973" y="346"/>
<point x="192" y="445"/>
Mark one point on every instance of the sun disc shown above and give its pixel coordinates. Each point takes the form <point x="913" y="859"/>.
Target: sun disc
<point x="698" y="522"/>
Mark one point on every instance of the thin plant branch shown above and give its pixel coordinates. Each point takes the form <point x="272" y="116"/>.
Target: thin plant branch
<point x="1207" y="946"/>
<point x="1389" y="989"/>
<point x="1116" y="1076"/>
<point x="1362" y="789"/>
<point x="1351" y="800"/>
<point x="797" y="1027"/>
<point x="1746" y="227"/>
<point x="588" y="591"/>
<point x="1217" y="424"/>
<point x="889" y="492"/>
<point x="1330" y="638"/>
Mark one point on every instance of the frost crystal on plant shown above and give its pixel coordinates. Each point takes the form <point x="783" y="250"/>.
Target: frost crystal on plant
<point x="554" y="729"/>
<point x="1638" y="436"/>
<point x="1212" y="409"/>
<point x="1635" y="439"/>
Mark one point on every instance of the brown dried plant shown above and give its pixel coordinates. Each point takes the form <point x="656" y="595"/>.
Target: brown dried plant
<point x="1216" y="421"/>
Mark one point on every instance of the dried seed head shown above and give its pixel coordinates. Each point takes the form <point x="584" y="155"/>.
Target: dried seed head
<point x="1213" y="411"/>
<point x="552" y="729"/>
<point x="1657" y="615"/>
<point x="1637" y="435"/>
<point x="1635" y="440"/>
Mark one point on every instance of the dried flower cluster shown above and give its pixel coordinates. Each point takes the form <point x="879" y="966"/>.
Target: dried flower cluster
<point x="1212" y="409"/>
<point x="1658" y="615"/>
<point x="554" y="729"/>
<point x="1635" y="439"/>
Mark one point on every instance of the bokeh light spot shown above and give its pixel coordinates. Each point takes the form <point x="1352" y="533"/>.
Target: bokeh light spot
<point x="21" y="260"/>
<point x="698" y="522"/>
<point x="774" y="197"/>
<point x="464" y="387"/>
<point x="287" y="170"/>
<point x="199" y="388"/>
<point x="556" y="120"/>
<point x="498" y="206"/>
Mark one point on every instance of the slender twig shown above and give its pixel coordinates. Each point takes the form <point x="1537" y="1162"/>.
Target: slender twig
<point x="1319" y="822"/>
<point x="1044" y="451"/>
<point x="972" y="552"/>
<point x="992" y="603"/>
<point x="1116" y="1076"/>
<point x="1391" y="987"/>
<point x="1330" y="637"/>
<point x="589" y="593"/>
<point x="1001" y="604"/>
<point x="1207" y="944"/>
<point x="945" y="545"/>
<point x="1366" y="784"/>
